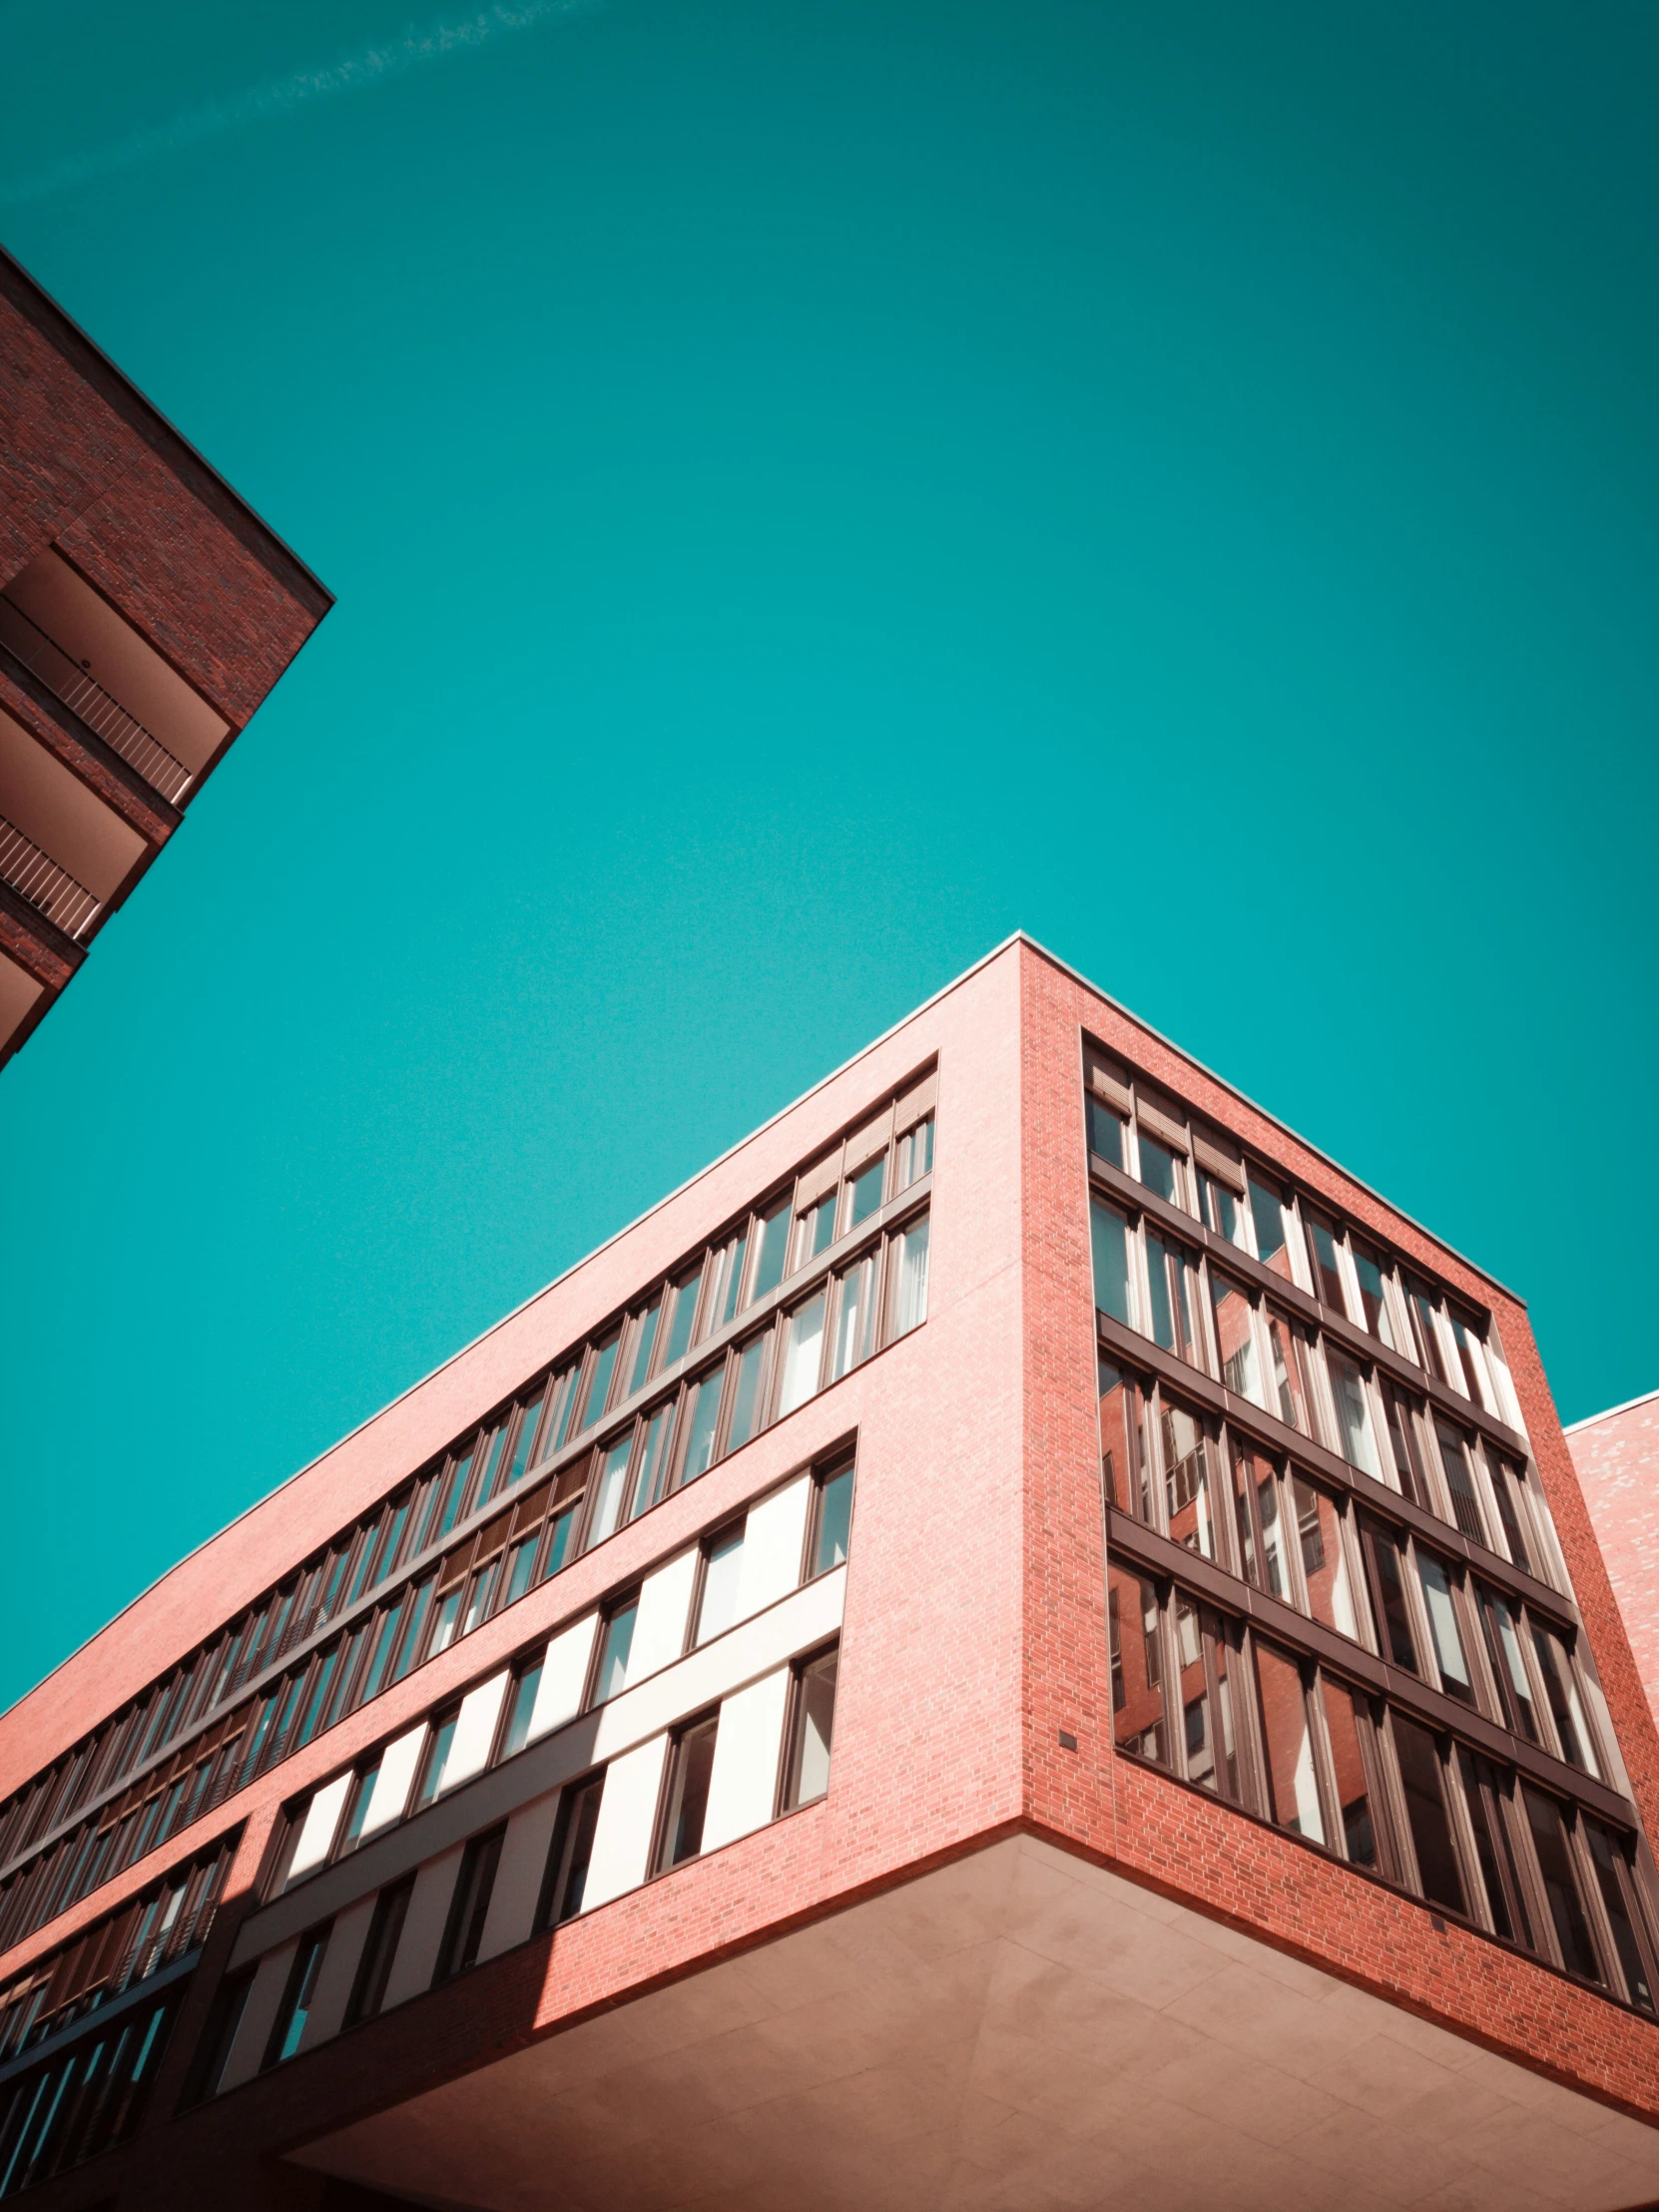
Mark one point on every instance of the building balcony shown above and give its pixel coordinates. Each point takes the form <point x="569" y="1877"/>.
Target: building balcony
<point x="36" y="877"/>
<point x="106" y="716"/>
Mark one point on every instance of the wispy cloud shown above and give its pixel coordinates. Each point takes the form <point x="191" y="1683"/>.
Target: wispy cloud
<point x="372" y="65"/>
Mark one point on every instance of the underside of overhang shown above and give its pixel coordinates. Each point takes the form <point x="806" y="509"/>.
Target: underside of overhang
<point x="1019" y="2030"/>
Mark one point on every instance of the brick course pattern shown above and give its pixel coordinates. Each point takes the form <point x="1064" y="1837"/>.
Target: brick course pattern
<point x="1617" y="1457"/>
<point x="974" y="1631"/>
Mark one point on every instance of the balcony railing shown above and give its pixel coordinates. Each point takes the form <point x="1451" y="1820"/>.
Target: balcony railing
<point x="122" y="731"/>
<point x="43" y="883"/>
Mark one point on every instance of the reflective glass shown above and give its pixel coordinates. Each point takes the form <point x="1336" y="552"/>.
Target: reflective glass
<point x="613" y="1479"/>
<point x="1240" y="1367"/>
<point x="1353" y="1414"/>
<point x="1324" y="1563"/>
<point x="775" y="1245"/>
<point x="910" y="1305"/>
<point x="746" y="1397"/>
<point x="613" y="1658"/>
<point x="854" y="1317"/>
<point x="1566" y="1907"/>
<point x="865" y="1195"/>
<point x="1187" y="1503"/>
<point x="702" y="1418"/>
<point x="1109" y="1245"/>
<point x="722" y="1573"/>
<point x="1105" y="1132"/>
<point x="683" y="1317"/>
<point x="1443" y="1628"/>
<point x="803" y="1355"/>
<point x="1267" y="1218"/>
<point x="1293" y="1792"/>
<point x="1372" y="1295"/>
<point x="1348" y="1760"/>
<point x="1424" y="1788"/>
<point x="1565" y="1707"/>
<point x="835" y="1522"/>
<point x="1138" y="1723"/>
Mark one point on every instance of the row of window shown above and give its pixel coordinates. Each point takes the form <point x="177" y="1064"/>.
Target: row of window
<point x="84" y="2100"/>
<point x="736" y="1572"/>
<point x="1210" y="1487"/>
<point x="678" y="1827"/>
<point x="1136" y="1128"/>
<point x="1208" y="1698"/>
<point x="878" y="1294"/>
<point x="1308" y="1379"/>
<point x="116" y="1953"/>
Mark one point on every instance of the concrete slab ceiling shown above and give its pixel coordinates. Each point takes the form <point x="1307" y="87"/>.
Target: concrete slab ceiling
<point x="1021" y="2032"/>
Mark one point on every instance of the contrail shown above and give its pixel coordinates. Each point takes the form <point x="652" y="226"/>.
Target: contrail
<point x="373" y="66"/>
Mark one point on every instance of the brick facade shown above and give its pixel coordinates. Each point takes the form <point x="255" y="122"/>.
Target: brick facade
<point x="1616" y="1455"/>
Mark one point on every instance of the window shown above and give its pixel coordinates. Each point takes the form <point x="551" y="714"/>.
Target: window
<point x="1443" y="1630"/>
<point x="1240" y="1364"/>
<point x="1256" y="1522"/>
<point x="691" y="1769"/>
<point x="774" y="1246"/>
<point x="651" y="1484"/>
<point x="1508" y="1488"/>
<point x="298" y="1996"/>
<point x="1324" y="1563"/>
<point x="522" y="1709"/>
<point x="571" y="1853"/>
<point x="683" y="1293"/>
<point x="914" y="1157"/>
<point x="1267" y="1214"/>
<point x="864" y="1192"/>
<point x="1221" y="1210"/>
<point x="613" y="1655"/>
<point x="1566" y="1907"/>
<point x="735" y="1258"/>
<point x="437" y="1759"/>
<point x="815" y="1231"/>
<point x="356" y="1809"/>
<point x="911" y="1263"/>
<point x="854" y="1317"/>
<point x="521" y="1564"/>
<point x="812" y="1730"/>
<point x="1138" y="1718"/>
<point x="1167" y="1269"/>
<point x="213" y="2053"/>
<point x="1388" y="1568"/>
<point x="1158" y="1170"/>
<point x="1348" y="1388"/>
<point x="612" y="1487"/>
<point x="701" y="1421"/>
<point x="599" y="1382"/>
<point x="368" y="1989"/>
<point x="1561" y="1693"/>
<point x="833" y="1533"/>
<point x="1209" y="1738"/>
<point x="1504" y="1645"/>
<point x="1465" y="1505"/>
<point x="802" y="1353"/>
<point x="1109" y="1243"/>
<point x="1403" y="1445"/>
<point x="745" y="1399"/>
<point x="1293" y="1790"/>
<point x="1322" y="1252"/>
<point x="1374" y="1300"/>
<point x="1106" y="1131"/>
<point x="1610" y="1860"/>
<point x="645" y="1343"/>
<point x="1485" y="1796"/>
<point x="1348" y="1725"/>
<point x="722" y="1573"/>
<point x="469" y="1906"/>
<point x="1290" y="1374"/>
<point x="481" y="1595"/>
<point x="1423" y="1783"/>
<point x="1422" y="1321"/>
<point x="1189" y="1503"/>
<point x="1123" y="1459"/>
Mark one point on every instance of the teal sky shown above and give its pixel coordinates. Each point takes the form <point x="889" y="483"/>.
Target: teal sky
<point x="811" y="489"/>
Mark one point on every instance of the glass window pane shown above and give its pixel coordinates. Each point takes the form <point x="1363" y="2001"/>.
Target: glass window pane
<point x="1323" y="1565"/>
<point x="1372" y="1295"/>
<point x="1613" y="1878"/>
<point x="746" y="1397"/>
<point x="1138" y="1721"/>
<point x="722" y="1571"/>
<point x="1443" y="1628"/>
<point x="910" y="1304"/>
<point x="655" y="1458"/>
<point x="916" y="1155"/>
<point x="1188" y="1497"/>
<point x="1240" y="1367"/>
<point x="1109" y="1243"/>
<point x="1508" y="1511"/>
<point x="688" y="1802"/>
<point x="854" y="1318"/>
<point x="297" y="1999"/>
<point x="437" y="1758"/>
<point x="645" y="1346"/>
<point x="573" y="1843"/>
<point x="1105" y="1133"/>
<point x="495" y="1453"/>
<point x="599" y="1383"/>
<point x="835" y="1522"/>
<point x="702" y="1418"/>
<point x="1562" y="1692"/>
<point x="1466" y="1507"/>
<point x="803" y="1355"/>
<point x="1423" y="1783"/>
<point x="1348" y="1760"/>
<point x="1210" y="1742"/>
<point x="775" y="1244"/>
<point x="865" y="1197"/>
<point x="734" y="1281"/>
<point x="613" y="1657"/>
<point x="1353" y="1414"/>
<point x="558" y="1548"/>
<point x="815" y="1730"/>
<point x="613" y="1480"/>
<point x="684" y="1315"/>
<point x="1509" y="1664"/>
<point x="521" y="1563"/>
<point x="1221" y="1210"/>
<point x="1267" y="1218"/>
<point x="1483" y="1795"/>
<point x="524" y="1705"/>
<point x="1403" y="1445"/>
<point x="1256" y="1518"/>
<point x="1166" y="1273"/>
<point x="1123" y="1457"/>
<point x="1321" y="1251"/>
<point x="1157" y="1167"/>
<point x="524" y="1443"/>
<point x="1566" y="1908"/>
<point x="1290" y="1383"/>
<point x="1293" y="1792"/>
<point x="1389" y="1569"/>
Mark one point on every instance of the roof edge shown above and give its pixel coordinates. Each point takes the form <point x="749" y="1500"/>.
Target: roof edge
<point x="1642" y="1398"/>
<point x="89" y="360"/>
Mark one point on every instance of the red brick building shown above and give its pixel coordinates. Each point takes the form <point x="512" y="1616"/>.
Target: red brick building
<point x="145" y="612"/>
<point x="1616" y="1455"/>
<point x="1022" y="1640"/>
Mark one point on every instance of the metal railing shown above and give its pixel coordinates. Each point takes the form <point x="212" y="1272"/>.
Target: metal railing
<point x="43" y="883"/>
<point x="122" y="731"/>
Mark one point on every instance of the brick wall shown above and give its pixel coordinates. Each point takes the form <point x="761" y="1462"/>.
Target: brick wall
<point x="1617" y="1459"/>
